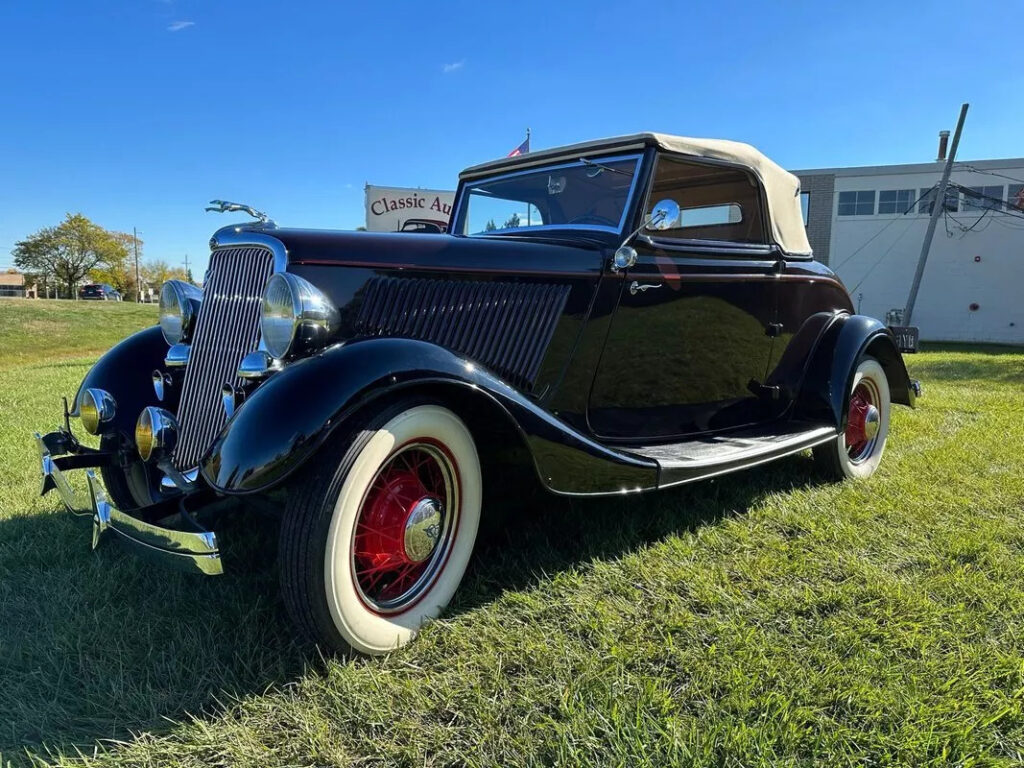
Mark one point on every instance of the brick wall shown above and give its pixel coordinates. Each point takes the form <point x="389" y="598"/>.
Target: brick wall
<point x="821" y="189"/>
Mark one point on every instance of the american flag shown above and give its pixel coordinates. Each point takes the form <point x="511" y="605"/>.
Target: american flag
<point x="522" y="149"/>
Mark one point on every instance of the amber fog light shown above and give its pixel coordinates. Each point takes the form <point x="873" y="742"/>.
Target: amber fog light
<point x="156" y="433"/>
<point x="97" y="406"/>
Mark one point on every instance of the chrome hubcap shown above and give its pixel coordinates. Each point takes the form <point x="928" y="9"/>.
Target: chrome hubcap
<point x="871" y="420"/>
<point x="423" y="529"/>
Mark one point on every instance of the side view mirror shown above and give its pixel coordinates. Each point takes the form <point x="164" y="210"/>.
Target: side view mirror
<point x="665" y="215"/>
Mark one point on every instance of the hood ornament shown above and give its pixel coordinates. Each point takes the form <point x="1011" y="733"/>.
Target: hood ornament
<point x="226" y="206"/>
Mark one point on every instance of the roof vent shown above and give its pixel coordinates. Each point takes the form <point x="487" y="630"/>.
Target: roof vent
<point x="943" y="143"/>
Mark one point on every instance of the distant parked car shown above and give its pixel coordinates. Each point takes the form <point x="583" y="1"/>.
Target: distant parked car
<point x="429" y="226"/>
<point x="99" y="292"/>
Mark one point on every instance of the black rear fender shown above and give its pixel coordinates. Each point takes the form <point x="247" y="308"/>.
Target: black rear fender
<point x="826" y="384"/>
<point x="287" y="419"/>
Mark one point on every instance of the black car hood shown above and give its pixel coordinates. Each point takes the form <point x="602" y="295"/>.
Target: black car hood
<point x="396" y="249"/>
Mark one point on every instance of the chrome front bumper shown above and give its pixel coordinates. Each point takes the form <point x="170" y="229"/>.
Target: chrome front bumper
<point x="194" y="551"/>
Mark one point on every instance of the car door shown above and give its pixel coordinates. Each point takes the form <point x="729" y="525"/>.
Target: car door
<point x="691" y="336"/>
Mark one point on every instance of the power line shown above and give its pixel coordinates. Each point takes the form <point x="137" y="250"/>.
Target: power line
<point x="879" y="232"/>
<point x="880" y="258"/>
<point x="974" y="169"/>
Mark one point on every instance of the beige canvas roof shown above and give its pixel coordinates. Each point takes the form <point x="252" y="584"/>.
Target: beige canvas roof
<point x="782" y="189"/>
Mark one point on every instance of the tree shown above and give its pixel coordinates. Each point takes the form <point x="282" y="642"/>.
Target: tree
<point x="119" y="272"/>
<point x="512" y="222"/>
<point x="67" y="252"/>
<point x="156" y="273"/>
<point x="490" y="226"/>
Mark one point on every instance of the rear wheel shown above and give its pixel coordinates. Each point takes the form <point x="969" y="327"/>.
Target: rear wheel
<point x="379" y="528"/>
<point x="857" y="452"/>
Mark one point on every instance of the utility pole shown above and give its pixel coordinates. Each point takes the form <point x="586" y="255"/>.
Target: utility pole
<point x="938" y="207"/>
<point x="138" y="285"/>
<point x="186" y="268"/>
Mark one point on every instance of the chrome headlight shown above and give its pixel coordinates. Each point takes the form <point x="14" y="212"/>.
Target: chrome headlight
<point x="179" y="307"/>
<point x="96" y="407"/>
<point x="156" y="433"/>
<point x="297" y="317"/>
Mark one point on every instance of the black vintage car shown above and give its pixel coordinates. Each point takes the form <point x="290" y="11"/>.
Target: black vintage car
<point x="613" y="317"/>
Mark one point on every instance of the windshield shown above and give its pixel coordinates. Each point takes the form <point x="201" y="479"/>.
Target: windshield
<point x="591" y="193"/>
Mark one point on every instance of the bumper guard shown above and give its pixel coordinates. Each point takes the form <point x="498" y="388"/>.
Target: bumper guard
<point x="195" y="551"/>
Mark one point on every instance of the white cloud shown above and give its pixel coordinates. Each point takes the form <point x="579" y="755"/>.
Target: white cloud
<point x="454" y="66"/>
<point x="177" y="26"/>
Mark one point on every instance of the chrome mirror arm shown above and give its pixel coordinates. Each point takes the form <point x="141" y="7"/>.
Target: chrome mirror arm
<point x="625" y="254"/>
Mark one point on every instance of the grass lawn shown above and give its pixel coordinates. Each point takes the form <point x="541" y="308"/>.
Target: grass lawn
<point x="767" y="618"/>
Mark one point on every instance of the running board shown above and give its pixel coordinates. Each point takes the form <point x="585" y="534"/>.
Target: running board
<point x="716" y="455"/>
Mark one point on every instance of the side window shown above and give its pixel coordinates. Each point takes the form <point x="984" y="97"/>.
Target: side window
<point x="715" y="203"/>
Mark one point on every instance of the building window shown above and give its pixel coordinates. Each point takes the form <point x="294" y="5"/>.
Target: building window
<point x="983" y="198"/>
<point x="895" y="200"/>
<point x="1015" y="197"/>
<point x="928" y="200"/>
<point x="805" y="205"/>
<point x="861" y="203"/>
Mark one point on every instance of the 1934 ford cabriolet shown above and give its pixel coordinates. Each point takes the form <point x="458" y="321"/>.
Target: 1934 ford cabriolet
<point x="624" y="315"/>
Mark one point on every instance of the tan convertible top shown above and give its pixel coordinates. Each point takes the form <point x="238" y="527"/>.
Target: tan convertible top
<point x="782" y="189"/>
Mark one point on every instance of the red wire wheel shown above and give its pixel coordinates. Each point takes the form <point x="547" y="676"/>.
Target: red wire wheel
<point x="405" y="527"/>
<point x="862" y="421"/>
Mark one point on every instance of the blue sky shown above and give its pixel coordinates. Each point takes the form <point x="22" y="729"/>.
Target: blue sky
<point x="137" y="112"/>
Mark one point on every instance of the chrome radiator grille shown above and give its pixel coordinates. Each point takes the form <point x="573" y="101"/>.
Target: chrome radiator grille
<point x="227" y="329"/>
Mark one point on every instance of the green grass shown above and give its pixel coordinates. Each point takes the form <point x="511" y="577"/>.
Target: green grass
<point x="34" y="330"/>
<point x="768" y="618"/>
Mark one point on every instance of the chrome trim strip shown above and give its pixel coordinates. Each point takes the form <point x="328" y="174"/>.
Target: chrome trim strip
<point x="237" y="236"/>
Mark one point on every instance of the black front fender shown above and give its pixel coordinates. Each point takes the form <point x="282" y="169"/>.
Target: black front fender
<point x="126" y="371"/>
<point x="286" y="420"/>
<point x="826" y="386"/>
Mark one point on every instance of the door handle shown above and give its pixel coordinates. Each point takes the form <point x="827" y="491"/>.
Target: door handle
<point x="635" y="287"/>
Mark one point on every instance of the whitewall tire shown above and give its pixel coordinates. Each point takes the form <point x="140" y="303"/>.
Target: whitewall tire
<point x="857" y="452"/>
<point x="380" y="528"/>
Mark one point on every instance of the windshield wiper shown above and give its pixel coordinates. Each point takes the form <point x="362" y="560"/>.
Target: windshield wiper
<point x="603" y="167"/>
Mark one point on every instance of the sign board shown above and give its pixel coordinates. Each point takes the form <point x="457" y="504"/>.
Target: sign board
<point x="398" y="209"/>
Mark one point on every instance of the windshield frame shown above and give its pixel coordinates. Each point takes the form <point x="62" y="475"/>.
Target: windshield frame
<point x="460" y="220"/>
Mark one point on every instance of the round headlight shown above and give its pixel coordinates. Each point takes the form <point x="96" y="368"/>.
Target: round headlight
<point x="179" y="306"/>
<point x="95" y="407"/>
<point x="156" y="433"/>
<point x="297" y="317"/>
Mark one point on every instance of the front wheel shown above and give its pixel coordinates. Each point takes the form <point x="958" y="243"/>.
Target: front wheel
<point x="857" y="452"/>
<point x="379" y="528"/>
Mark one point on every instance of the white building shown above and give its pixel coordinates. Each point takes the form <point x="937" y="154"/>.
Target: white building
<point x="868" y="225"/>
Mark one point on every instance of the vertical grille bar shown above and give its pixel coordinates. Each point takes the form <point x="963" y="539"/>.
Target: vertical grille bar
<point x="227" y="329"/>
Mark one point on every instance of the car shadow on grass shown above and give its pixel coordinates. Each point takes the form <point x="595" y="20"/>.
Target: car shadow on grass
<point x="101" y="645"/>
<point x="98" y="645"/>
<point x="540" y="535"/>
